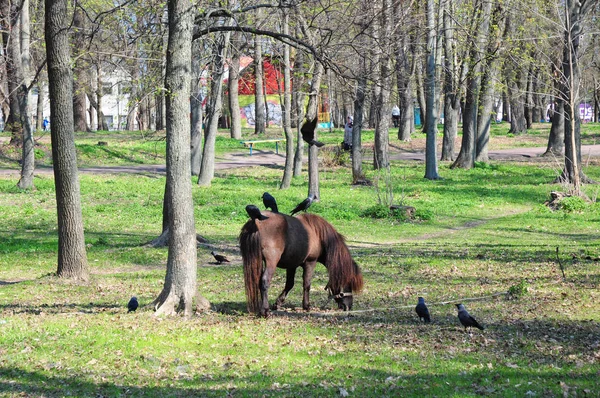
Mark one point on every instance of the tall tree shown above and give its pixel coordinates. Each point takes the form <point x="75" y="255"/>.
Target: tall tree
<point x="72" y="257"/>
<point x="466" y="157"/>
<point x="207" y="169"/>
<point x="232" y="86"/>
<point x="23" y="72"/>
<point x="180" y="281"/>
<point x="288" y="172"/>
<point x="431" y="166"/>
<point x="574" y="13"/>
<point x="260" y="112"/>
<point x="81" y="70"/>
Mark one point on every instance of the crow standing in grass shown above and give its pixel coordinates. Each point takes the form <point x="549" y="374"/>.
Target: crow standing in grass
<point x="220" y="258"/>
<point x="254" y="213"/>
<point x="466" y="319"/>
<point x="269" y="202"/>
<point x="132" y="305"/>
<point x="422" y="311"/>
<point x="308" y="132"/>
<point x="305" y="204"/>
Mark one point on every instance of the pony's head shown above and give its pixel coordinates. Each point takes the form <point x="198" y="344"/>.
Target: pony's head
<point x="344" y="300"/>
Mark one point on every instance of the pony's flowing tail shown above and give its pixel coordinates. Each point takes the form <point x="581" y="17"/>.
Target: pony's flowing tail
<point x="253" y="264"/>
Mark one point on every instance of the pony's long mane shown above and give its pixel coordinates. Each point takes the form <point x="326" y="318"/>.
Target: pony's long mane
<point x="253" y="264"/>
<point x="341" y="267"/>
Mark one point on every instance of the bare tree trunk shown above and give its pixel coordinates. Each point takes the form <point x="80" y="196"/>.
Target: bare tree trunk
<point x="574" y="12"/>
<point x="11" y="41"/>
<point x="39" y="108"/>
<point x="298" y="97"/>
<point x="556" y="139"/>
<point x="24" y="66"/>
<point x="405" y="64"/>
<point x="80" y="71"/>
<point x="431" y="166"/>
<point x="259" y="99"/>
<point x="287" y="114"/>
<point x="180" y="280"/>
<point x="358" y="176"/>
<point x="311" y="113"/>
<point x="207" y="169"/>
<point x="72" y="257"/>
<point x="384" y="83"/>
<point x="234" y="78"/>
<point x="466" y="157"/>
<point x="197" y="116"/>
<point x="452" y="86"/>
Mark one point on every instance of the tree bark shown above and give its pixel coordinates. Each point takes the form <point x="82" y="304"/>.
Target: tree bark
<point x="358" y="176"/>
<point x="80" y="72"/>
<point x="207" y="169"/>
<point x="234" y="78"/>
<point x="466" y="157"/>
<point x="180" y="280"/>
<point x="288" y="172"/>
<point x="197" y="116"/>
<point x="556" y="139"/>
<point x="28" y="153"/>
<point x="72" y="257"/>
<point x="313" y="150"/>
<point x="298" y="97"/>
<point x="259" y="100"/>
<point x="431" y="166"/>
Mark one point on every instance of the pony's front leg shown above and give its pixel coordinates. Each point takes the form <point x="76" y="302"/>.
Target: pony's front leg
<point x="289" y="284"/>
<point x="264" y="289"/>
<point x="307" y="275"/>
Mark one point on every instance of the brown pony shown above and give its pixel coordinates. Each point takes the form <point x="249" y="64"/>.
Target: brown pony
<point x="291" y="242"/>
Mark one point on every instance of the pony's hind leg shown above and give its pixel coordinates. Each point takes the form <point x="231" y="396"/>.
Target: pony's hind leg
<point x="289" y="284"/>
<point x="307" y="275"/>
<point x="265" y="282"/>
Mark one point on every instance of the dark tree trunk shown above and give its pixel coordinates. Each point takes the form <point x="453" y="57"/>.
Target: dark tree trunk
<point x="313" y="150"/>
<point x="72" y="258"/>
<point x="405" y="65"/>
<point x="179" y="288"/>
<point x="288" y="172"/>
<point x="80" y="72"/>
<point x="556" y="139"/>
<point x="431" y="165"/>
<point x="207" y="169"/>
<point x="298" y="97"/>
<point x="260" y="116"/>
<point x="466" y="157"/>
<point x="233" y="97"/>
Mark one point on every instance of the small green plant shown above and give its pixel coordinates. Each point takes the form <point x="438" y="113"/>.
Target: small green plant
<point x="518" y="290"/>
<point x="573" y="204"/>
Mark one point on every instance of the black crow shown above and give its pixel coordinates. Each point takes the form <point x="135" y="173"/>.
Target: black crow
<point x="269" y="202"/>
<point x="220" y="258"/>
<point x="308" y="132"/>
<point x="133" y="304"/>
<point x="305" y="204"/>
<point x="254" y="213"/>
<point x="466" y="319"/>
<point x="422" y="311"/>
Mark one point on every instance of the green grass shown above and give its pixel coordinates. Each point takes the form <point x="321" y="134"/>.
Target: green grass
<point x="482" y="232"/>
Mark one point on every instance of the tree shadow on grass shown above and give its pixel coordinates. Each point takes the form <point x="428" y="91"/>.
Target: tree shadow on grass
<point x="357" y="379"/>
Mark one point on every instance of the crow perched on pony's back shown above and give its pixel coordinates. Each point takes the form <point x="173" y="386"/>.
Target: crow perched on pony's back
<point x="305" y="204"/>
<point x="270" y="202"/>
<point x="254" y="213"/>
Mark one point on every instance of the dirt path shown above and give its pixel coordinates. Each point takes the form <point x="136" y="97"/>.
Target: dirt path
<point x="270" y="159"/>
